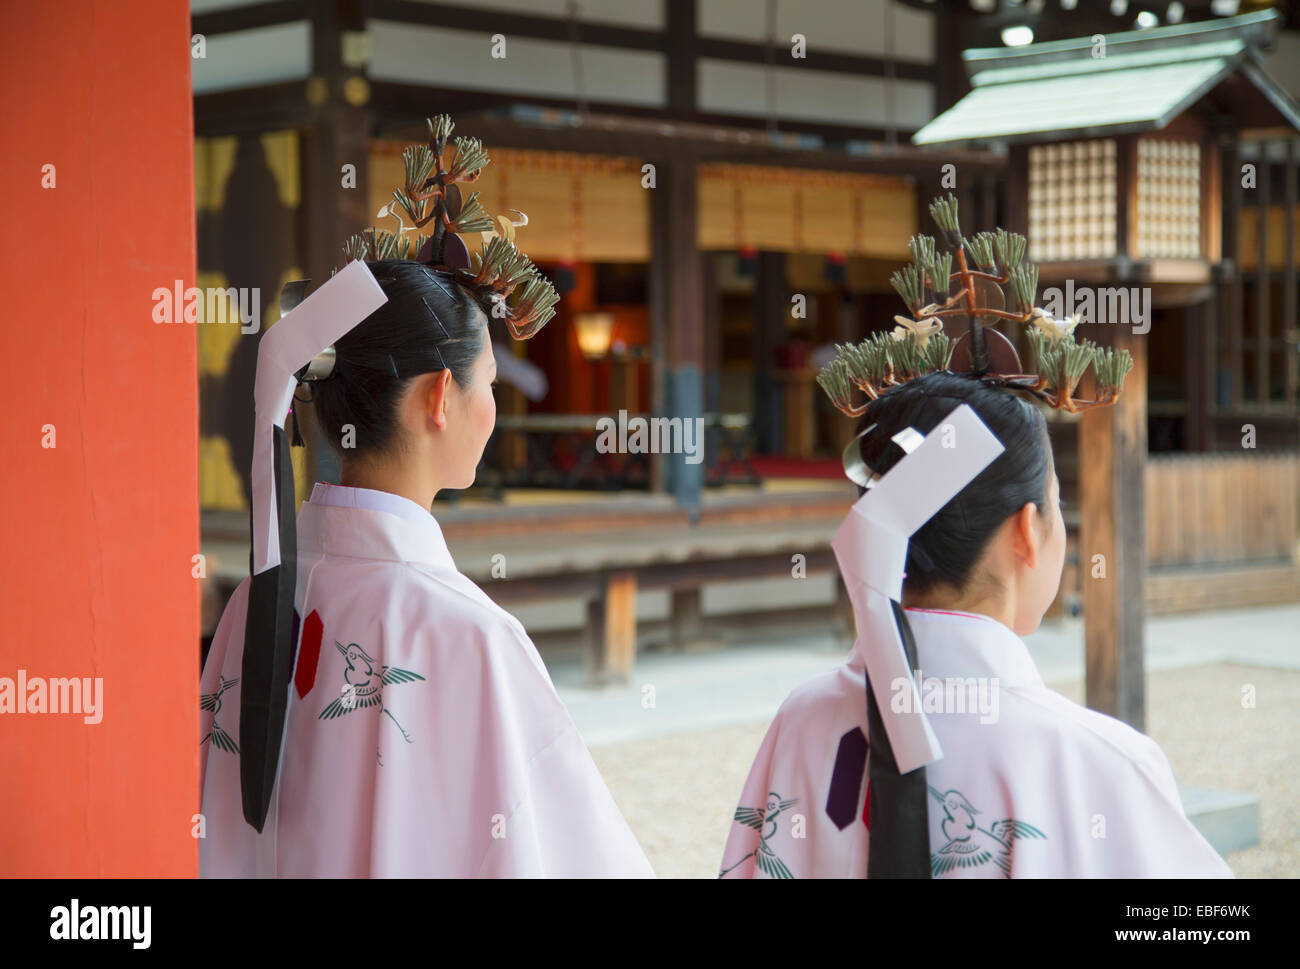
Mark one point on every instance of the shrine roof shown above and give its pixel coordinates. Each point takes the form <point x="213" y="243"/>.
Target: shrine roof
<point x="1136" y="81"/>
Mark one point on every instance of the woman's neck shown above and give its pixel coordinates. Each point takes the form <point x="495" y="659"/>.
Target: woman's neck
<point x="995" y="606"/>
<point x="405" y="480"/>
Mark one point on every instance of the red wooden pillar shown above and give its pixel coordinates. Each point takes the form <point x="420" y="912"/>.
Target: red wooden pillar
<point x="100" y="437"/>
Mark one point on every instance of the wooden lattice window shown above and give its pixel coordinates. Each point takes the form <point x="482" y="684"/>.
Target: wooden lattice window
<point x="1072" y="201"/>
<point x="1168" y="199"/>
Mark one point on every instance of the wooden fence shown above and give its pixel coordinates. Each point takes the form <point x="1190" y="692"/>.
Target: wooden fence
<point x="1219" y="509"/>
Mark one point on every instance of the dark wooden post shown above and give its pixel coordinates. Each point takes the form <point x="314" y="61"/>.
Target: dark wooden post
<point x="1198" y="368"/>
<point x="685" y="302"/>
<point x="712" y="323"/>
<point x="660" y="287"/>
<point x="1112" y="546"/>
<point x="988" y="185"/>
<point x="953" y="21"/>
<point x="1262" y="342"/>
<point x="1125" y="201"/>
<point x="687" y="615"/>
<point x="1017" y="215"/>
<point x="1290" y="333"/>
<point x="771" y="308"/>
<point x="1230" y="305"/>
<point x="1112" y="474"/>
<point x="337" y="133"/>
<point x="594" y="651"/>
<point x="1201" y="360"/>
<point x="681" y="40"/>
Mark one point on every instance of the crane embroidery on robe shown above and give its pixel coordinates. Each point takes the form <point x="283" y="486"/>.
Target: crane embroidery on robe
<point x="759" y="819"/>
<point x="969" y="845"/>
<point x="212" y="701"/>
<point x="364" y="683"/>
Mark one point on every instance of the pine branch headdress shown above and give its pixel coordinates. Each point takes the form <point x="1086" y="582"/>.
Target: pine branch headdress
<point x="990" y="275"/>
<point x="432" y="196"/>
<point x="993" y="283"/>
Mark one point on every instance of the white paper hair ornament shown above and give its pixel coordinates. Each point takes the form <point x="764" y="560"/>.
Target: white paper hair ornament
<point x="871" y="548"/>
<point x="270" y="631"/>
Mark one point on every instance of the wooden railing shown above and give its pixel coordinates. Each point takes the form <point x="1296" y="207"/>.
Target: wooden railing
<point x="1208" y="509"/>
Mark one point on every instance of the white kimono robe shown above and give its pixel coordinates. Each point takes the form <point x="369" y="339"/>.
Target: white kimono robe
<point x="423" y="735"/>
<point x="1032" y="786"/>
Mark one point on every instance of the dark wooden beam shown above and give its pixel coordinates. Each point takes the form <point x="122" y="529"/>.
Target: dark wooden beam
<point x="250" y="17"/>
<point x="455" y="17"/>
<point x="459" y="17"/>
<point x="397" y="105"/>
<point x="400" y="111"/>
<point x="816" y="59"/>
<point x="266" y="108"/>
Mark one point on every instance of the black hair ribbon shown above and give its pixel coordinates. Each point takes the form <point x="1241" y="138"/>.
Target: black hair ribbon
<point x="899" y="845"/>
<point x="270" y="634"/>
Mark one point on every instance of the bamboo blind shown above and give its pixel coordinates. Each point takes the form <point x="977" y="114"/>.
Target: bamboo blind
<point x="593" y="208"/>
<point x="800" y="210"/>
<point x="1168" y="199"/>
<point x="579" y="207"/>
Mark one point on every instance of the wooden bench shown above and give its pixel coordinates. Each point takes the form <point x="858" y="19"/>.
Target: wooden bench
<point x="605" y="556"/>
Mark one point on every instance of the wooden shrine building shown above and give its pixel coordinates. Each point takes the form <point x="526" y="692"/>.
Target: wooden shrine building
<point x="1127" y="173"/>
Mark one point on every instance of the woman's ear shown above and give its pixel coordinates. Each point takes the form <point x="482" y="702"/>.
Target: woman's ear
<point x="435" y="402"/>
<point x="1025" y="534"/>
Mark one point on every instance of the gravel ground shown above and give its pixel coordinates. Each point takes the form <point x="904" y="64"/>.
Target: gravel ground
<point x="678" y="792"/>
